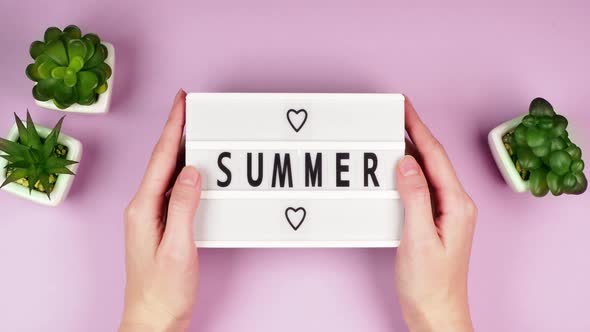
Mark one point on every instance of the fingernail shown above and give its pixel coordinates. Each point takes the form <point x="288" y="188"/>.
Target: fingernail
<point x="189" y="176"/>
<point x="408" y="166"/>
<point x="179" y="93"/>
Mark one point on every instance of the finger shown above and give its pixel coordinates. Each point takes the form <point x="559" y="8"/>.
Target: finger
<point x="419" y="224"/>
<point x="411" y="149"/>
<point x="162" y="163"/>
<point x="437" y="165"/>
<point x="182" y="208"/>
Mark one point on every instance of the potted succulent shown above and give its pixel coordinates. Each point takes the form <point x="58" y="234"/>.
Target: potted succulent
<point x="72" y="72"/>
<point x="534" y="152"/>
<point x="38" y="163"/>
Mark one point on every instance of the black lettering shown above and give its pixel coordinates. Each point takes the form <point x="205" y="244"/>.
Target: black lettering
<point x="313" y="173"/>
<point x="283" y="171"/>
<point x="370" y="171"/>
<point x="341" y="168"/>
<point x="224" y="169"/>
<point x="258" y="181"/>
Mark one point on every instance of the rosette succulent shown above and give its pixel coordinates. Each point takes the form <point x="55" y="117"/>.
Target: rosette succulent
<point x="33" y="161"/>
<point x="544" y="154"/>
<point x="69" y="68"/>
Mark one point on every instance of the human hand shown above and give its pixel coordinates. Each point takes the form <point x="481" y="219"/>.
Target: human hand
<point x="433" y="256"/>
<point x="161" y="261"/>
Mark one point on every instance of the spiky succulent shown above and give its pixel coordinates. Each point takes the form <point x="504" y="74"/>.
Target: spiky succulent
<point x="544" y="154"/>
<point x="35" y="161"/>
<point x="69" y="68"/>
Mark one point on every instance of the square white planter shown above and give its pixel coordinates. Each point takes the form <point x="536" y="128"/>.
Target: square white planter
<point x="502" y="157"/>
<point x="104" y="100"/>
<point x="64" y="181"/>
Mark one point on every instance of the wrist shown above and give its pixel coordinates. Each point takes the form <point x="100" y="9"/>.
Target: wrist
<point x="144" y="319"/>
<point x="443" y="319"/>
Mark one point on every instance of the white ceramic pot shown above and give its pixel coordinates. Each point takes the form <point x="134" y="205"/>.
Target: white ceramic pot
<point x="502" y="157"/>
<point x="104" y="99"/>
<point x="64" y="181"/>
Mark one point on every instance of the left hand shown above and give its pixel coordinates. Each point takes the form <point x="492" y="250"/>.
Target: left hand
<point x="161" y="257"/>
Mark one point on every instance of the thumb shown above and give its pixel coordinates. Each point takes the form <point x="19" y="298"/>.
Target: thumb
<point x="413" y="188"/>
<point x="182" y="208"/>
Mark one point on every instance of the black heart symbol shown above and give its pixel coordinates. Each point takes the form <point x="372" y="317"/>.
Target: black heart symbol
<point x="295" y="225"/>
<point x="294" y="119"/>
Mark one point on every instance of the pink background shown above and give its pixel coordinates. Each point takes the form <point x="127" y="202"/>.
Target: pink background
<point x="467" y="68"/>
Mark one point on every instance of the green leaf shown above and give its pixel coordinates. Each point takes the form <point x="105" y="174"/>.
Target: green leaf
<point x="11" y="159"/>
<point x="577" y="166"/>
<point x="44" y="179"/>
<point x="545" y="122"/>
<point x="574" y="151"/>
<point x="42" y="58"/>
<point x="24" y="164"/>
<point x="93" y="38"/>
<point x="34" y="140"/>
<point x="581" y="184"/>
<point x="76" y="48"/>
<point x="64" y="94"/>
<point x="529" y="121"/>
<point x="541" y="107"/>
<point x="51" y="139"/>
<point x="57" y="52"/>
<point x="58" y="72"/>
<point x="528" y="159"/>
<point x="87" y="99"/>
<point x="106" y="69"/>
<point x="32" y="72"/>
<point x="52" y="33"/>
<point x="103" y="88"/>
<point x="36" y="49"/>
<point x="55" y="162"/>
<point x="535" y="137"/>
<point x="46" y="87"/>
<point x="542" y="151"/>
<point x="33" y="175"/>
<point x="569" y="182"/>
<point x="60" y="105"/>
<point x="45" y="68"/>
<point x="538" y="182"/>
<point x="17" y="174"/>
<point x="12" y="148"/>
<point x="87" y="81"/>
<point x="73" y="32"/>
<point x="560" y="162"/>
<point x="554" y="183"/>
<point x="23" y="134"/>
<point x="520" y="134"/>
<point x="557" y="143"/>
<point x="76" y="63"/>
<point x="60" y="170"/>
<point x="102" y="78"/>
<point x="105" y="51"/>
<point x="90" y="47"/>
<point x="70" y="77"/>
<point x="98" y="57"/>
<point x="38" y="95"/>
<point x="559" y="126"/>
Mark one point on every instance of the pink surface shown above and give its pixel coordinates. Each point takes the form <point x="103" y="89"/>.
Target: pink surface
<point x="466" y="68"/>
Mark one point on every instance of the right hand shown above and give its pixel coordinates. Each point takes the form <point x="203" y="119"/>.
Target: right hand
<point x="433" y="256"/>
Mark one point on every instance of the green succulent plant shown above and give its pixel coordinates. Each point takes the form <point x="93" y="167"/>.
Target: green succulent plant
<point x="69" y="68"/>
<point x="543" y="153"/>
<point x="34" y="161"/>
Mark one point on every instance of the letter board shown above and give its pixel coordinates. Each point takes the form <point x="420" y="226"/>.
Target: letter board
<point x="296" y="169"/>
